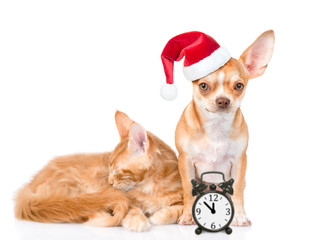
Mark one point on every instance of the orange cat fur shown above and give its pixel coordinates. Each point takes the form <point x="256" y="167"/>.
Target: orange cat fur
<point x="135" y="185"/>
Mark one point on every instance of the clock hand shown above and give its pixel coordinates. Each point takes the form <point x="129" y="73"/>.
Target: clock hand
<point x="211" y="209"/>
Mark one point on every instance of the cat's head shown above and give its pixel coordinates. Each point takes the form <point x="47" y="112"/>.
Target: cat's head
<point x="131" y="157"/>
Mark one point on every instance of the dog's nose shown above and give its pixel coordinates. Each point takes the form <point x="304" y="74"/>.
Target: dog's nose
<point x="222" y="102"/>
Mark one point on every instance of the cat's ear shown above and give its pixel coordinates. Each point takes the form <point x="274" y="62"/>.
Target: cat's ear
<point x="138" y="138"/>
<point x="123" y="123"/>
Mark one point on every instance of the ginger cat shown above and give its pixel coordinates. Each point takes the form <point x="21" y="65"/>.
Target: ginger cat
<point x="135" y="185"/>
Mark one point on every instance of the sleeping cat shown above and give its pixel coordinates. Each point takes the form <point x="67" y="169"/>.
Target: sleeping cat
<point x="135" y="185"/>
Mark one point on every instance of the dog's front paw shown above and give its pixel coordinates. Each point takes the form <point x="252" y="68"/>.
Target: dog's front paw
<point x="186" y="219"/>
<point x="241" y="221"/>
<point x="136" y="222"/>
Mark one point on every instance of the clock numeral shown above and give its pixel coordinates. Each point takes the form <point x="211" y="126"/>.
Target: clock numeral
<point x="228" y="211"/>
<point x="213" y="225"/>
<point x="215" y="197"/>
<point x="198" y="211"/>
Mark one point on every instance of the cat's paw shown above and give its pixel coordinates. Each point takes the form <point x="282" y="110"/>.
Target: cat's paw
<point x="186" y="219"/>
<point x="99" y="220"/>
<point x="158" y="218"/>
<point x="167" y="215"/>
<point x="136" y="222"/>
<point x="241" y="220"/>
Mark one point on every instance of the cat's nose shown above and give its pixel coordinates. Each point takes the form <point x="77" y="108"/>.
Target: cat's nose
<point x="110" y="180"/>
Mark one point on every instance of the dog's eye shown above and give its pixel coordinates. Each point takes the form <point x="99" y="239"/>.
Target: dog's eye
<point x="203" y="86"/>
<point x="239" y="86"/>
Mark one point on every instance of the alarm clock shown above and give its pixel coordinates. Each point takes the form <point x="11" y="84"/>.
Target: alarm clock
<point x="213" y="210"/>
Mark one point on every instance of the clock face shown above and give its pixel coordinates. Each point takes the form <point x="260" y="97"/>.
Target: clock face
<point x="213" y="211"/>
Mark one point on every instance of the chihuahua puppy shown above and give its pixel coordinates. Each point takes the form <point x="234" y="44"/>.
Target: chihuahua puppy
<point x="212" y="134"/>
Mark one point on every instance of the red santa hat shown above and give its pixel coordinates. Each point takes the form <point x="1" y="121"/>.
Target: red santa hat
<point x="202" y="56"/>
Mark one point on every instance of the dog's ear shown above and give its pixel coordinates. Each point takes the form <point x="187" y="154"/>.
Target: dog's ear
<point x="257" y="56"/>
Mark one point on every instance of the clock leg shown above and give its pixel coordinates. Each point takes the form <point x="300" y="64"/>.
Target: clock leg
<point x="228" y="230"/>
<point x="198" y="231"/>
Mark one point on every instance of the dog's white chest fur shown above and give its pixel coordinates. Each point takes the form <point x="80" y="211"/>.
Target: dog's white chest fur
<point x="215" y="150"/>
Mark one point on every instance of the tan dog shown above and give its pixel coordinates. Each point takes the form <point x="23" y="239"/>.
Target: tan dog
<point x="212" y="134"/>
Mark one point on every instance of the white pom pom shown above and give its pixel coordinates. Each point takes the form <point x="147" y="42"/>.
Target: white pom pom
<point x="168" y="91"/>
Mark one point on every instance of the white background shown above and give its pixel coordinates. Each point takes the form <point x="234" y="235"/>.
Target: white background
<point x="66" y="66"/>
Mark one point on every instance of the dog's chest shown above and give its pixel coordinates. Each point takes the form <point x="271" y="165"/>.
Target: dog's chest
<point x="212" y="155"/>
<point x="215" y="151"/>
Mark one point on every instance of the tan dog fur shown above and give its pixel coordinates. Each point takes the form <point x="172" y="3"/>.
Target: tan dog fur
<point x="209" y="138"/>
